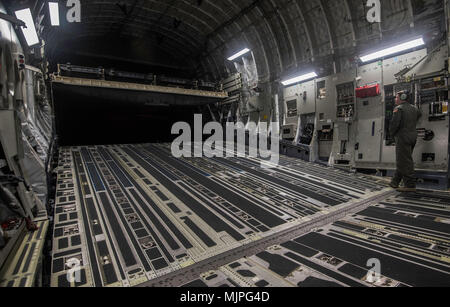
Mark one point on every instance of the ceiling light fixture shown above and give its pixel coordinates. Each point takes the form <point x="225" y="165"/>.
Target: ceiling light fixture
<point x="54" y="13"/>
<point x="393" y="50"/>
<point x="239" y="54"/>
<point x="30" y="30"/>
<point x="305" y="77"/>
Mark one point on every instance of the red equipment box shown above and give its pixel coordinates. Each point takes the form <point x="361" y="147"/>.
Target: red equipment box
<point x="368" y="91"/>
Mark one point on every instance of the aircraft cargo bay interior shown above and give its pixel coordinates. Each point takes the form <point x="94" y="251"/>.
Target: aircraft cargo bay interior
<point x="224" y="144"/>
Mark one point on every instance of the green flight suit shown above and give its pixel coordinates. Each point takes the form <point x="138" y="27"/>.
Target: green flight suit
<point x="404" y="130"/>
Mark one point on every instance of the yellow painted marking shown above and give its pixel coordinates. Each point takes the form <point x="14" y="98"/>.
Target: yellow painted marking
<point x="356" y="234"/>
<point x="187" y="264"/>
<point x="442" y="258"/>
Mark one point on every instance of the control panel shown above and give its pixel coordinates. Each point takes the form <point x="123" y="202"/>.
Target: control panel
<point x="345" y="100"/>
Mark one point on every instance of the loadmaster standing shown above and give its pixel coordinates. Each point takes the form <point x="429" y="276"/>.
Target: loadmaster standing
<point x="404" y="131"/>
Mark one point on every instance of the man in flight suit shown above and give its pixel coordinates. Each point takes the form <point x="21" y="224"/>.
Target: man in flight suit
<point x="404" y="130"/>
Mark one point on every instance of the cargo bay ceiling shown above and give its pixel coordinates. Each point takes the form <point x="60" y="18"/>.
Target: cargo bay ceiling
<point x="196" y="36"/>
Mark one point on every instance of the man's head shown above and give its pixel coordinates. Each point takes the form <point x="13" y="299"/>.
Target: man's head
<point x="402" y="97"/>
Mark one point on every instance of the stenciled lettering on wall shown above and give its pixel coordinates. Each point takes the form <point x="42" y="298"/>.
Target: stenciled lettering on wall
<point x="73" y="12"/>
<point x="374" y="13"/>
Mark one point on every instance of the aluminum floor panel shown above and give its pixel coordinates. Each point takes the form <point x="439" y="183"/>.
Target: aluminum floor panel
<point x="130" y="214"/>
<point x="407" y="233"/>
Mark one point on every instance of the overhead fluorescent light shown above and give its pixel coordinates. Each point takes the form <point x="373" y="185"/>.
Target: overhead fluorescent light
<point x="239" y="54"/>
<point x="30" y="31"/>
<point x="301" y="78"/>
<point x="54" y="13"/>
<point x="393" y="50"/>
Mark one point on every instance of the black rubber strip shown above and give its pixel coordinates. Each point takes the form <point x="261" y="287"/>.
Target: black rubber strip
<point x="95" y="179"/>
<point x="349" y="226"/>
<point x="406" y="229"/>
<point x="278" y="264"/>
<point x="86" y="188"/>
<point x="418" y="209"/>
<point x="63" y="282"/>
<point x="228" y="207"/>
<point x="216" y="223"/>
<point x="127" y="253"/>
<point x="233" y="283"/>
<point x="394" y="268"/>
<point x="419" y="196"/>
<point x="262" y="284"/>
<point x="120" y="175"/>
<point x="90" y="205"/>
<point x="137" y="225"/>
<point x="124" y="247"/>
<point x="41" y="229"/>
<point x="76" y="240"/>
<point x="313" y="282"/>
<point x="23" y="282"/>
<point x="263" y="228"/>
<point x="382" y="247"/>
<point x="244" y="204"/>
<point x="395" y="238"/>
<point x="90" y="246"/>
<point x="156" y="166"/>
<point x="146" y="209"/>
<point x="287" y="185"/>
<point x="153" y="254"/>
<point x="86" y="156"/>
<point x="353" y="270"/>
<point x="63" y="243"/>
<point x="110" y="274"/>
<point x="140" y="175"/>
<point x="174" y="208"/>
<point x="300" y="249"/>
<point x="199" y="233"/>
<point x="410" y="241"/>
<point x="142" y="232"/>
<point x="103" y="249"/>
<point x="83" y="279"/>
<point x="310" y="182"/>
<point x="21" y="258"/>
<point x="161" y="195"/>
<point x="209" y="278"/>
<point x="385" y="214"/>
<point x="58" y="265"/>
<point x="29" y="257"/>
<point x="196" y="284"/>
<point x="361" y="185"/>
<point x="160" y="264"/>
<point x="157" y="224"/>
<point x="134" y="271"/>
<point x="234" y="265"/>
<point x="62" y="218"/>
<point x="246" y="273"/>
<point x="327" y="272"/>
<point x="188" y="169"/>
<point x="428" y="204"/>
<point x="97" y="229"/>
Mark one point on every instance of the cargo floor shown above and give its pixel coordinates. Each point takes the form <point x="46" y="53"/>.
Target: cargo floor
<point x="128" y="214"/>
<point x="405" y="239"/>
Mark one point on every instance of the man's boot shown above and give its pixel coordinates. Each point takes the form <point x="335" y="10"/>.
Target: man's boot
<point x="394" y="185"/>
